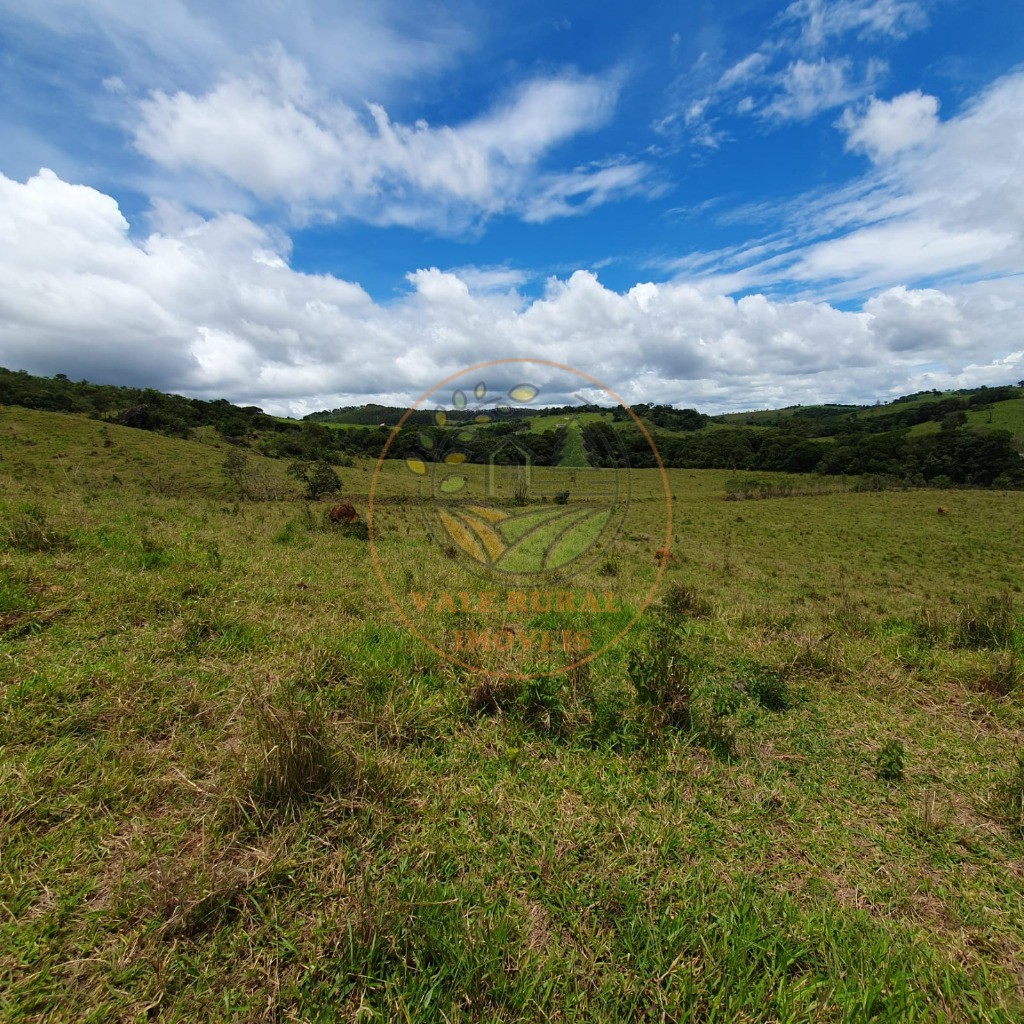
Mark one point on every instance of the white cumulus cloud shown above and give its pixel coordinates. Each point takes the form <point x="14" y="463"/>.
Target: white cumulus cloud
<point x="888" y="126"/>
<point x="272" y="133"/>
<point x="212" y="307"/>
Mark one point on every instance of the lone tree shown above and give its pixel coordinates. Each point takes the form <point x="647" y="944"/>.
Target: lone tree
<point x="249" y="479"/>
<point x="235" y="469"/>
<point x="319" y="478"/>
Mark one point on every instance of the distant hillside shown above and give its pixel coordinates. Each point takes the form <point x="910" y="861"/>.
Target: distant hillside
<point x="372" y="416"/>
<point x="173" y="415"/>
<point x="971" y="437"/>
<point x="49" y="449"/>
<point x="147" y="408"/>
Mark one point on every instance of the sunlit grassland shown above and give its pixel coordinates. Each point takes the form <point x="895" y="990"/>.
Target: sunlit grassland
<point x="353" y="426"/>
<point x="573" y="452"/>
<point x="1007" y="415"/>
<point x="233" y="786"/>
<point x="1000" y="416"/>
<point x="541" y="423"/>
<point x="767" y="415"/>
<point x="772" y="415"/>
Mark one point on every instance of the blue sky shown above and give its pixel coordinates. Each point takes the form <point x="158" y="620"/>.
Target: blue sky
<point x="309" y="204"/>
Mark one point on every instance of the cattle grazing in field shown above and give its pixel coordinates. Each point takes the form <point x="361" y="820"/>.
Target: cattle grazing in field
<point x="943" y="511"/>
<point x="343" y="513"/>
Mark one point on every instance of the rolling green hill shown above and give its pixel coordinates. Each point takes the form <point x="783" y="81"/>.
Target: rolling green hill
<point x="574" y="455"/>
<point x="1010" y="417"/>
<point x="542" y="421"/>
<point x="951" y="437"/>
<point x="1001" y="416"/>
<point x="56" y="449"/>
<point x="769" y="417"/>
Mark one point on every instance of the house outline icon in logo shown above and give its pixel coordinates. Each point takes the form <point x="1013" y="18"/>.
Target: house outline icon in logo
<point x="496" y="467"/>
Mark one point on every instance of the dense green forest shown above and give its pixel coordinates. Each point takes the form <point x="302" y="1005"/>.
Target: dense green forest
<point x="958" y="456"/>
<point x="146" y="408"/>
<point x="926" y="438"/>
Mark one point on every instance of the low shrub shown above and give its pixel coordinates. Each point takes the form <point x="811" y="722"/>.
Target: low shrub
<point x="29" y="530"/>
<point x="287" y="533"/>
<point x="663" y="683"/>
<point x="492" y="695"/>
<point x="770" y="689"/>
<point x="989" y="624"/>
<point x="1000" y="677"/>
<point x="298" y="754"/>
<point x="357" y="530"/>
<point x="541" y="703"/>
<point x="714" y="718"/>
<point x="891" y="761"/>
<point x="683" y="602"/>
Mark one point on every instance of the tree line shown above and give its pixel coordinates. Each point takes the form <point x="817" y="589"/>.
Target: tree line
<point x="958" y="456"/>
<point x="825" y="440"/>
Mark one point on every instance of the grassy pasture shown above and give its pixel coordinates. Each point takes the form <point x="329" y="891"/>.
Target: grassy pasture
<point x="348" y="426"/>
<point x="233" y="787"/>
<point x="573" y="452"/>
<point x="999" y="416"/>
<point x="541" y="423"/>
<point x="755" y="417"/>
<point x="1006" y="417"/>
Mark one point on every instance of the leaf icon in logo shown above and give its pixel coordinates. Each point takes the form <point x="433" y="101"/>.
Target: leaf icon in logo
<point x="452" y="484"/>
<point x="474" y="536"/>
<point x="531" y="542"/>
<point x="417" y="466"/>
<point x="552" y="540"/>
<point x="576" y="539"/>
<point x="523" y="393"/>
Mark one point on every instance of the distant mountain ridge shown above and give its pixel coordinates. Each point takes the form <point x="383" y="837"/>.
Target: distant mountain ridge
<point x="968" y="437"/>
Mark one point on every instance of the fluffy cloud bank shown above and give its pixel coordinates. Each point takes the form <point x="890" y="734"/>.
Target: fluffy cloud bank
<point x="273" y="134"/>
<point x="212" y="307"/>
